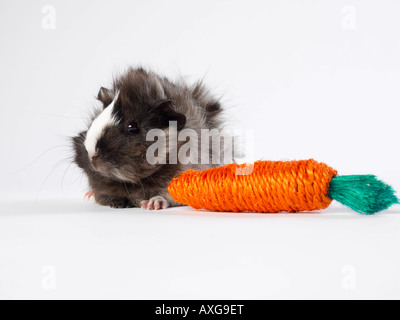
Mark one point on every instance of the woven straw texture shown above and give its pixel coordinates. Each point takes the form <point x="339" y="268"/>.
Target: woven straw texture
<point x="265" y="186"/>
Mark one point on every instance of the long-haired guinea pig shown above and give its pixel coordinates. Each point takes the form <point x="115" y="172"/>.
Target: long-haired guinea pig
<point x="114" y="150"/>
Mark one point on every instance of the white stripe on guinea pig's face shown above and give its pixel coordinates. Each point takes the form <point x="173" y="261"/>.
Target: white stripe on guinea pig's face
<point x="104" y="120"/>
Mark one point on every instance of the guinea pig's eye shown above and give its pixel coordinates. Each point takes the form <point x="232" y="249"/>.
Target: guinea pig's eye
<point x="133" y="128"/>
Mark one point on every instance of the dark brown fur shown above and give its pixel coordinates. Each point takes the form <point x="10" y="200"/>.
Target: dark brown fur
<point x="152" y="101"/>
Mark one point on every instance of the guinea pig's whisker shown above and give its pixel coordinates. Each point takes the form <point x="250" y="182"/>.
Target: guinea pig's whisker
<point x="37" y="159"/>
<point x="49" y="175"/>
<point x="63" y="177"/>
<point x="55" y="167"/>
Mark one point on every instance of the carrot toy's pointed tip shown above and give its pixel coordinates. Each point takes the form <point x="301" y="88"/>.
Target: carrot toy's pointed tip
<point x="365" y="194"/>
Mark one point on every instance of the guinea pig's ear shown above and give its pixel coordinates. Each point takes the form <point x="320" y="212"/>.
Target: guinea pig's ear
<point x="165" y="113"/>
<point x="105" y="96"/>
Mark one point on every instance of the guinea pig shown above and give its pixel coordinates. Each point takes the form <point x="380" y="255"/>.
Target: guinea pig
<point x="114" y="151"/>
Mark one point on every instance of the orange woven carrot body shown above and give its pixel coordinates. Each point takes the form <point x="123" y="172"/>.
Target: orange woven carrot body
<point x="273" y="186"/>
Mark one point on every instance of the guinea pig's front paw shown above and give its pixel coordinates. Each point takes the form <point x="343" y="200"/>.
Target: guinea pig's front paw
<point x="120" y="204"/>
<point x="116" y="203"/>
<point x="155" y="203"/>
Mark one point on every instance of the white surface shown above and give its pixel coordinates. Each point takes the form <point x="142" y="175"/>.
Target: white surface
<point x="98" y="252"/>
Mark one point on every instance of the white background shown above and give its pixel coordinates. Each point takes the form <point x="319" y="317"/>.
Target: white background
<point x="312" y="81"/>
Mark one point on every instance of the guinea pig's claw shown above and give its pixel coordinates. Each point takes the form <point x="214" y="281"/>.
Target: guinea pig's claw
<point x="144" y="203"/>
<point x="89" y="195"/>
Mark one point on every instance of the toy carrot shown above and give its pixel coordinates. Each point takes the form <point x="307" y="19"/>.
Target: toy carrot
<point x="276" y="186"/>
